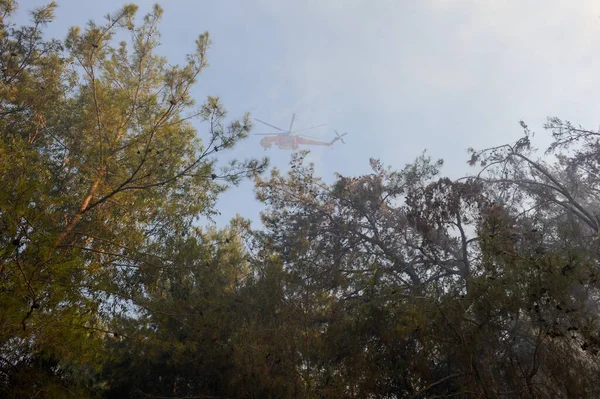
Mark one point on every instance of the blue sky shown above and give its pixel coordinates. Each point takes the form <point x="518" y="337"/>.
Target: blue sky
<point x="398" y="76"/>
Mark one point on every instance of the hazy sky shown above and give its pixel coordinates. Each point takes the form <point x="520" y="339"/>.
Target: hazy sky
<point x="398" y="76"/>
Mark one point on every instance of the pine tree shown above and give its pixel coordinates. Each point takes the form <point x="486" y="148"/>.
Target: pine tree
<point x="100" y="165"/>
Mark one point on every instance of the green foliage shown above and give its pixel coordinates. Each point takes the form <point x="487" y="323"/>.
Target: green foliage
<point x="101" y="168"/>
<point x="392" y="284"/>
<point x="427" y="288"/>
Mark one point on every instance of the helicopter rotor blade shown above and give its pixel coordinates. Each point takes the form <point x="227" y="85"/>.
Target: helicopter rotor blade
<point x="266" y="134"/>
<point x="339" y="136"/>
<point x="292" y="123"/>
<point x="309" y="128"/>
<point x="268" y="124"/>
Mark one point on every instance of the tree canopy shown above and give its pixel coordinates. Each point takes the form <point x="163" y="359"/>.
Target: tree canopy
<point x="395" y="284"/>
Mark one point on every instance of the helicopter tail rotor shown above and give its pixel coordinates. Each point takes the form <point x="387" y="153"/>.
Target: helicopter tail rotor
<point x="339" y="137"/>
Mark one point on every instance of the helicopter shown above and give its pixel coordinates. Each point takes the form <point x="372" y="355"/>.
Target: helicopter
<point x="287" y="140"/>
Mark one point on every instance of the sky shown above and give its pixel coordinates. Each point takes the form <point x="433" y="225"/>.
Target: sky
<point x="399" y="76"/>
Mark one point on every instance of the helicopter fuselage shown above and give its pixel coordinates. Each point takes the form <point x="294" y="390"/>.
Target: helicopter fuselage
<point x="283" y="142"/>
